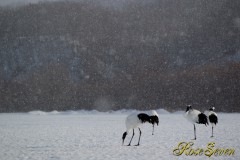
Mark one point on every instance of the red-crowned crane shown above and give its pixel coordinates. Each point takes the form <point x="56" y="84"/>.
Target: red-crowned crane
<point x="134" y="120"/>
<point x="195" y="116"/>
<point x="213" y="119"/>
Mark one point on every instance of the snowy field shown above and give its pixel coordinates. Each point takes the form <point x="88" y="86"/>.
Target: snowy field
<point x="97" y="136"/>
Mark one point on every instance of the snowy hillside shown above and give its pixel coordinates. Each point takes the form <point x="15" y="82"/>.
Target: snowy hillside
<point x="94" y="135"/>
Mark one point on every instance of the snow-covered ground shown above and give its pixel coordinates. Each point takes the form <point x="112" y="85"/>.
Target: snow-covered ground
<point x="84" y="135"/>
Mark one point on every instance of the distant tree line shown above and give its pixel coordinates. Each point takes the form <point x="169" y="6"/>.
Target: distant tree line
<point x="71" y="55"/>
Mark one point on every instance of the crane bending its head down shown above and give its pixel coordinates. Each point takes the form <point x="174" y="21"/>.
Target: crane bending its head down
<point x="134" y="120"/>
<point x="154" y="119"/>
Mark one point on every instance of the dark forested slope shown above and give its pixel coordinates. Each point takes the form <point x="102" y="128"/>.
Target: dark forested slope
<point x="155" y="54"/>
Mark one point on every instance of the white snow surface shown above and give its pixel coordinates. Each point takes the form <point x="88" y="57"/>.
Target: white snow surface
<point x="86" y="135"/>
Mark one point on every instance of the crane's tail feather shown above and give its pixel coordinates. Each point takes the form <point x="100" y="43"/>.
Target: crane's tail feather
<point x="123" y="137"/>
<point x="202" y="119"/>
<point x="213" y="119"/>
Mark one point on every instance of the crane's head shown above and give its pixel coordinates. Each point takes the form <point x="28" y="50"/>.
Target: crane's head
<point x="188" y="107"/>
<point x="212" y="109"/>
<point x="154" y="119"/>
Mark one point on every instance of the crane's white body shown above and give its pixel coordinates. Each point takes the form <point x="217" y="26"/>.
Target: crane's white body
<point x="192" y="115"/>
<point x="154" y="113"/>
<point x="132" y="121"/>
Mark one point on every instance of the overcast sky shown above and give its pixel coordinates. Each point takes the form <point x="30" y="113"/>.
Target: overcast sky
<point x="17" y="2"/>
<point x="103" y="2"/>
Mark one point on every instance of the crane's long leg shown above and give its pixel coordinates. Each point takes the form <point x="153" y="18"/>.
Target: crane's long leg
<point x="212" y="131"/>
<point x="195" y="137"/>
<point x="140" y="133"/>
<point x="153" y="129"/>
<point x="131" y="138"/>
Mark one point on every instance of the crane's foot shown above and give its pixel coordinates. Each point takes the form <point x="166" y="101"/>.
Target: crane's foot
<point x="136" y="145"/>
<point x="194" y="139"/>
